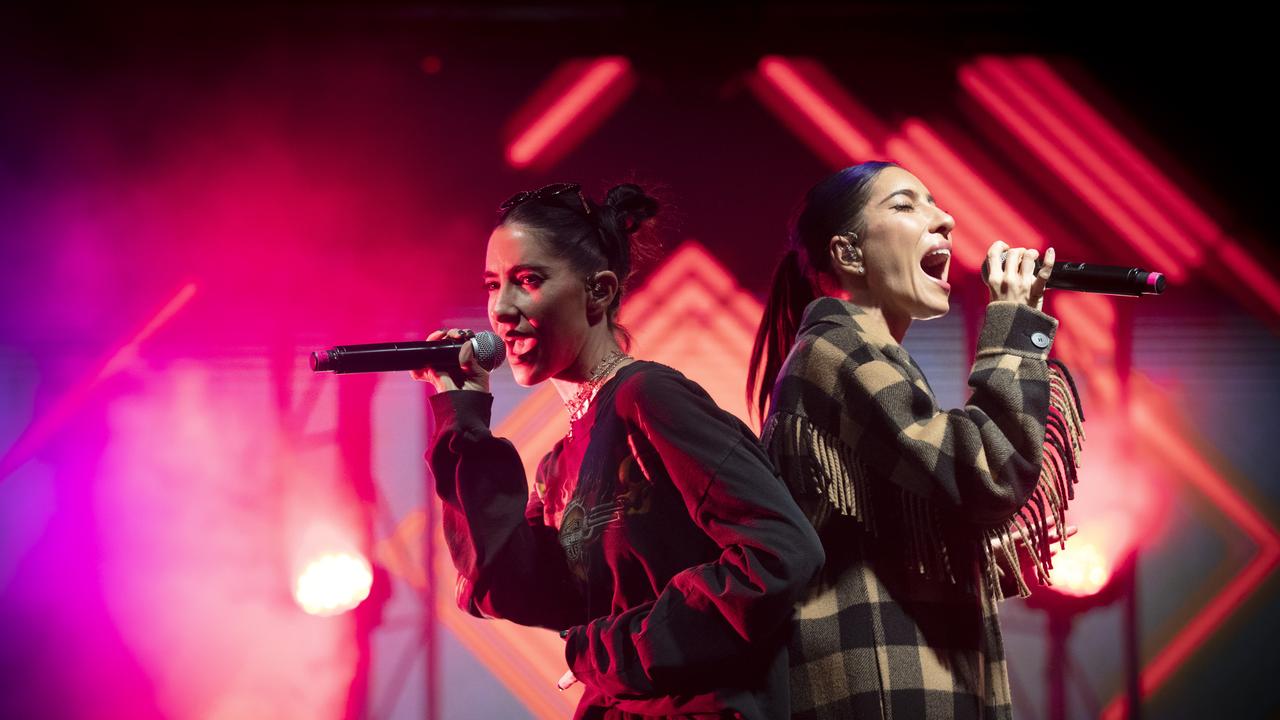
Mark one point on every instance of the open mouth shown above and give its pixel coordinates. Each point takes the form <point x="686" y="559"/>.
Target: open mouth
<point x="935" y="263"/>
<point x="518" y="346"/>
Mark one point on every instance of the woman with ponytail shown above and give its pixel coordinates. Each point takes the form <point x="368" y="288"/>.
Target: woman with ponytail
<point x="928" y="516"/>
<point x="656" y="537"/>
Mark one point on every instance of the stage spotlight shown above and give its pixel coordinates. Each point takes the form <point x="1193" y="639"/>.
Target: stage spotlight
<point x="1080" y="570"/>
<point x="333" y="584"/>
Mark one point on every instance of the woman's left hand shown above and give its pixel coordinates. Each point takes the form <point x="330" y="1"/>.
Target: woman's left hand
<point x="1055" y="537"/>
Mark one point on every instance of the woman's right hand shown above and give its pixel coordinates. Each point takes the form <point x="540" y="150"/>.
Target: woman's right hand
<point x="470" y="376"/>
<point x="1016" y="278"/>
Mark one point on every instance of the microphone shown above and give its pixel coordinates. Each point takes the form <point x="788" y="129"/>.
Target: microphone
<point x="1101" y="279"/>
<point x="383" y="357"/>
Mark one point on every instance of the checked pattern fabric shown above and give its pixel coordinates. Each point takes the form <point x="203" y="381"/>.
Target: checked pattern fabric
<point x="922" y="511"/>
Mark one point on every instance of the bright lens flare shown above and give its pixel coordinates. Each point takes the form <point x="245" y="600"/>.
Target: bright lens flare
<point x="1080" y="570"/>
<point x="333" y="584"/>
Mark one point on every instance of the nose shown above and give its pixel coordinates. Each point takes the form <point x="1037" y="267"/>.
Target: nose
<point x="942" y="223"/>
<point x="502" y="306"/>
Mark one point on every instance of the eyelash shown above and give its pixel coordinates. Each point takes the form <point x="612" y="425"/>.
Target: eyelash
<point x="531" y="281"/>
<point x="904" y="206"/>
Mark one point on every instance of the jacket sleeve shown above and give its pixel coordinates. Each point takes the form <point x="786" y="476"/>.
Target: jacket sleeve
<point x="510" y="564"/>
<point x="982" y="460"/>
<point x="723" y="615"/>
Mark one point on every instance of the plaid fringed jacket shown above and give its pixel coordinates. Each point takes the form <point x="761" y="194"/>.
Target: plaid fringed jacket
<point x="920" y="510"/>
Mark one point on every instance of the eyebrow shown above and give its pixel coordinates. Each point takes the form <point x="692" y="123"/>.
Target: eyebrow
<point x="909" y="193"/>
<point x="520" y="268"/>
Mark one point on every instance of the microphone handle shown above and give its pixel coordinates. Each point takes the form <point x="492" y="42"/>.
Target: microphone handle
<point x="1105" y="279"/>
<point x="387" y="357"/>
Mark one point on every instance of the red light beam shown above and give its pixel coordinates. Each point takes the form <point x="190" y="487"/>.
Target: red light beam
<point x="572" y="102"/>
<point x="798" y="85"/>
<point x="1006" y="102"/>
<point x="66" y="406"/>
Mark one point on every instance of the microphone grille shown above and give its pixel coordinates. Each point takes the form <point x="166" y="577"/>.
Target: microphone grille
<point x="490" y="352"/>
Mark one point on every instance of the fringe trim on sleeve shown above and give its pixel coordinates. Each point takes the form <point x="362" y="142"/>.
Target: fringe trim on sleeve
<point x="1064" y="436"/>
<point x="821" y="463"/>
<point x="816" y="462"/>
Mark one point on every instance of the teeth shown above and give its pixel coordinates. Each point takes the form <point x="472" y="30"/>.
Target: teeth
<point x="939" y="251"/>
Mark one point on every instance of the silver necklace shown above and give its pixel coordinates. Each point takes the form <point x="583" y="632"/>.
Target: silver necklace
<point x="578" y="406"/>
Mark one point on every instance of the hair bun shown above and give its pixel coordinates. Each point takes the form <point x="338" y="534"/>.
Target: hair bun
<point x="631" y="205"/>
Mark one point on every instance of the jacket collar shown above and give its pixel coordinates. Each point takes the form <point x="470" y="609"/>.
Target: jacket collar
<point x="832" y="310"/>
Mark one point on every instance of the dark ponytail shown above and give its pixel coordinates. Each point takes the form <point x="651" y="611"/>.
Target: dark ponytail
<point x="615" y="235"/>
<point x="789" y="294"/>
<point x="832" y="207"/>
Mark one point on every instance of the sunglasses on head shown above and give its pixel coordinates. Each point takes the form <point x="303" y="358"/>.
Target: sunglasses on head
<point x="546" y="193"/>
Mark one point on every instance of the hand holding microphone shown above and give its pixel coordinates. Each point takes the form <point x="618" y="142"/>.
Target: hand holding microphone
<point x="470" y="373"/>
<point x="1012" y="274"/>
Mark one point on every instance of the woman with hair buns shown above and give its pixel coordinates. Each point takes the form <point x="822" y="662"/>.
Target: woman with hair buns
<point x="922" y="511"/>
<point x="657" y="538"/>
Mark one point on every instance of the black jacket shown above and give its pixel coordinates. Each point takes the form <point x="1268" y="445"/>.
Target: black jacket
<point x="658" y="539"/>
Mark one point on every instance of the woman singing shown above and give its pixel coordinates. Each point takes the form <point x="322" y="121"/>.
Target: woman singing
<point x="921" y="510"/>
<point x="657" y="538"/>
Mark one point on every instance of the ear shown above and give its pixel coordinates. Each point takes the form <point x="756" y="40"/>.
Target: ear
<point x="602" y="288"/>
<point x="846" y="255"/>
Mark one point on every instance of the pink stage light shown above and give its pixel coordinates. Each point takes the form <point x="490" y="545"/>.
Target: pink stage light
<point x="576" y="98"/>
<point x="333" y="584"/>
<point x="66" y="406"/>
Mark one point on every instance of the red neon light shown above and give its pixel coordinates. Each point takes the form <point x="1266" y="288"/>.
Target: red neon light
<point x="1249" y="273"/>
<point x="1095" y="128"/>
<point x="1106" y="175"/>
<point x="1076" y="177"/>
<point x="62" y="409"/>
<point x="1138" y="185"/>
<point x="785" y="77"/>
<point x="597" y="78"/>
